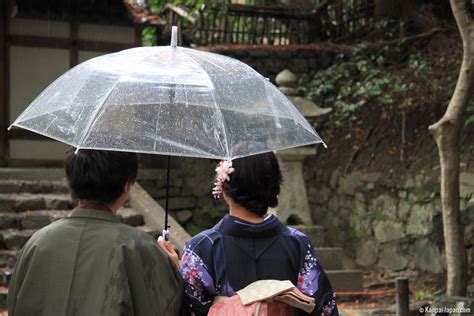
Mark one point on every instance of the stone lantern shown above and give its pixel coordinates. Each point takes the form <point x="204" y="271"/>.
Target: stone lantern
<point x="293" y="199"/>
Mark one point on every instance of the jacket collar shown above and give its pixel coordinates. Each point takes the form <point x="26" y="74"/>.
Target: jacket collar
<point x="234" y="226"/>
<point x="104" y="215"/>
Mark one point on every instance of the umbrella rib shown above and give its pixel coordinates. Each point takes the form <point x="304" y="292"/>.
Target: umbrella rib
<point x="96" y="115"/>
<point x="218" y="110"/>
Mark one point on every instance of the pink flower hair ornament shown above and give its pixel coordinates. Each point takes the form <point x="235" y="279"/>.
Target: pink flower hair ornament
<point x="223" y="170"/>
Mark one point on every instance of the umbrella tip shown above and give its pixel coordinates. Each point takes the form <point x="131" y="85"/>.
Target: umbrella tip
<point x="9" y="128"/>
<point x="76" y="151"/>
<point x="174" y="36"/>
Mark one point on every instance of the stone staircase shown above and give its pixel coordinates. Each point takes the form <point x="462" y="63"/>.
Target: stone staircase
<point x="342" y="280"/>
<point x="28" y="205"/>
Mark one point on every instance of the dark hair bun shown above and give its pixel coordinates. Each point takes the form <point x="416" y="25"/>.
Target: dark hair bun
<point x="255" y="183"/>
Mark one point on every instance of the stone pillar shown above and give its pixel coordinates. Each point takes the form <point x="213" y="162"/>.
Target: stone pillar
<point x="293" y="200"/>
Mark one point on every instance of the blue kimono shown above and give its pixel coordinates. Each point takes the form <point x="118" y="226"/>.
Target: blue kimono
<point x="235" y="253"/>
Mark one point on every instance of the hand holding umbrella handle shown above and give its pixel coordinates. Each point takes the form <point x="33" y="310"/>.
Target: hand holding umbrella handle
<point x="166" y="233"/>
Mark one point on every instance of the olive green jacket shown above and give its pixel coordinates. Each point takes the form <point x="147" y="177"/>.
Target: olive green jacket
<point x="91" y="264"/>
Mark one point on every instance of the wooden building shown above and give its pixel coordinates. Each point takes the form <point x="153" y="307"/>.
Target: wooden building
<point x="39" y="41"/>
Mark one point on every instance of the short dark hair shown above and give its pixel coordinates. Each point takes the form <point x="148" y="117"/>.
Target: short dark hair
<point x="99" y="175"/>
<point x="255" y="183"/>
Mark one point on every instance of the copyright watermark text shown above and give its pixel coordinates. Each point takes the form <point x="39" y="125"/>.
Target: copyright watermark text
<point x="445" y="309"/>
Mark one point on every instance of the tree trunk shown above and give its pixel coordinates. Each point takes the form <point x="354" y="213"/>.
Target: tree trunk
<point x="447" y="133"/>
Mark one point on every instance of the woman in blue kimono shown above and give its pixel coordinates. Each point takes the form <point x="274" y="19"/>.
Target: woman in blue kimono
<point x="246" y="246"/>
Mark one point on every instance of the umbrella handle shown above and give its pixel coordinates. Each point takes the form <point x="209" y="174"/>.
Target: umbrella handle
<point x="166" y="234"/>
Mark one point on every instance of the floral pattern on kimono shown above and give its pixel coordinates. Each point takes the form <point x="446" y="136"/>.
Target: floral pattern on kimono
<point x="196" y="277"/>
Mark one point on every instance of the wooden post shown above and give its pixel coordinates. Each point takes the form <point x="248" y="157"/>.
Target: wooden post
<point x="403" y="302"/>
<point x="4" y="87"/>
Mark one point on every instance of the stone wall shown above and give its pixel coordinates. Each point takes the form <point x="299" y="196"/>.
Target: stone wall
<point x="388" y="223"/>
<point x="270" y="60"/>
<point x="190" y="202"/>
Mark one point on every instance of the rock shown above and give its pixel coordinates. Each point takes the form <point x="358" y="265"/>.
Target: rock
<point x="182" y="216"/>
<point x="258" y="52"/>
<point x="392" y="260"/>
<point x="35" y="221"/>
<point x="321" y="194"/>
<point x="324" y="59"/>
<point x="299" y="65"/>
<point x="367" y="254"/>
<point x="130" y="217"/>
<point x="7" y="202"/>
<point x="388" y="231"/>
<point x="199" y="176"/>
<point x="10" y="186"/>
<point x="350" y="183"/>
<point x="288" y="91"/>
<point x="334" y="179"/>
<point x="309" y="108"/>
<point x="466" y="185"/>
<point x="286" y="78"/>
<point x="420" y="220"/>
<point x="28" y="201"/>
<point x="427" y="256"/>
<point x="56" y="202"/>
<point x="8" y="220"/>
<point x="179" y="203"/>
<point x="15" y="239"/>
<point x="384" y="204"/>
<point x="404" y="208"/>
<point x="371" y="177"/>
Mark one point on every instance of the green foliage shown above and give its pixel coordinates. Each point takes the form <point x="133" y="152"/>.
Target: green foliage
<point x="362" y="77"/>
<point x="469" y="114"/>
<point x="149" y="36"/>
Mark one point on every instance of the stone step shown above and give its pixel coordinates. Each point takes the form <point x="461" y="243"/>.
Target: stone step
<point x="33" y="186"/>
<point x="155" y="233"/>
<point x="29" y="201"/>
<point x="3" y="297"/>
<point x="315" y="233"/>
<point x="130" y="217"/>
<point x="14" y="239"/>
<point x="330" y="257"/>
<point x="5" y="276"/>
<point x="346" y="280"/>
<point x="30" y="219"/>
<point x="8" y="258"/>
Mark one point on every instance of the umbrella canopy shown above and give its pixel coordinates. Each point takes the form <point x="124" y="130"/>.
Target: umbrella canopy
<point x="168" y="100"/>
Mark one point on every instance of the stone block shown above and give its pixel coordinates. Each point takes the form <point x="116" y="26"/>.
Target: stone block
<point x="179" y="203"/>
<point x="130" y="217"/>
<point x="391" y="260"/>
<point x="258" y="52"/>
<point x="420" y="221"/>
<point x="315" y="233"/>
<point x="466" y="185"/>
<point x="330" y="257"/>
<point x="8" y="258"/>
<point x="428" y="256"/>
<point x="8" y="220"/>
<point x="385" y="206"/>
<point x="7" y="202"/>
<point x="388" y="230"/>
<point x="26" y="201"/>
<point x="183" y="216"/>
<point x="10" y="186"/>
<point x="367" y="254"/>
<point x="345" y="280"/>
<point x="15" y="239"/>
<point x="56" y="201"/>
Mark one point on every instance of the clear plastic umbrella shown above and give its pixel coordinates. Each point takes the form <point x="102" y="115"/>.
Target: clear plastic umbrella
<point x="168" y="100"/>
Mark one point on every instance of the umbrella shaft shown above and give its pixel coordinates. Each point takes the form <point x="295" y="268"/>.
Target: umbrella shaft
<point x="167" y="192"/>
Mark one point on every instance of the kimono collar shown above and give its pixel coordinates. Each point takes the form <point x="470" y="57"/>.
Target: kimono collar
<point x="234" y="226"/>
<point x="94" y="214"/>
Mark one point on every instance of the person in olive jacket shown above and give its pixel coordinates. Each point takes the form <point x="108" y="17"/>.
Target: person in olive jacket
<point x="90" y="263"/>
